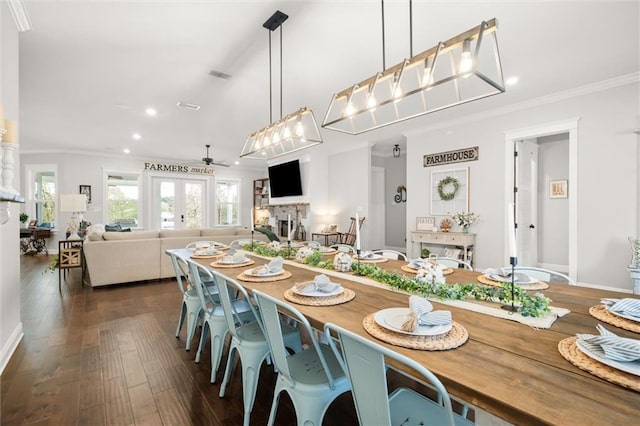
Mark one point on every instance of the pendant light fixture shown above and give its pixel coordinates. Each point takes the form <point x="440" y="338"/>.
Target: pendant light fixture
<point x="396" y="151"/>
<point x="290" y="133"/>
<point x="464" y="68"/>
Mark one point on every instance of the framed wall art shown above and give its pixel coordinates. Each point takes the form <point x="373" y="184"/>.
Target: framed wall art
<point x="425" y="223"/>
<point x="558" y="188"/>
<point x="449" y="191"/>
<point x="86" y="190"/>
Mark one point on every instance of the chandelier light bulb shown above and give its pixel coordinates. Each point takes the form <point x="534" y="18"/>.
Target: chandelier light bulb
<point x="287" y="133"/>
<point x="397" y="89"/>
<point x="466" y="63"/>
<point x="299" y="130"/>
<point x="372" y="103"/>
<point x="276" y="138"/>
<point x="350" y="109"/>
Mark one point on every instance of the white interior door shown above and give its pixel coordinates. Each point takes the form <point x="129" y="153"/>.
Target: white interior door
<point x="179" y="203"/>
<point x="527" y="202"/>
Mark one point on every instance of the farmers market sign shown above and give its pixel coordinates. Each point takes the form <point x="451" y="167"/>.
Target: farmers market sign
<point x="179" y="168"/>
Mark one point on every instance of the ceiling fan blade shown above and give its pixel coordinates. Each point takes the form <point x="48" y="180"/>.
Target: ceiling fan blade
<point x="220" y="163"/>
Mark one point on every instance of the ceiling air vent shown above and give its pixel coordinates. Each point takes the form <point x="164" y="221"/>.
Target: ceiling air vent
<point x="220" y="74"/>
<point x="187" y="105"/>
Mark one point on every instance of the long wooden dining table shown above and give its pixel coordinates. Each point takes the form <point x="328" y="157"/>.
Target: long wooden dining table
<point x="508" y="369"/>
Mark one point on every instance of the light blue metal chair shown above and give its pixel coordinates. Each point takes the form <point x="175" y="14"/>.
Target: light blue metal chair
<point x="344" y="247"/>
<point x="214" y="322"/>
<point x="312" y="378"/>
<point x="314" y="244"/>
<point x="191" y="308"/>
<point x="247" y="340"/>
<point x="364" y="362"/>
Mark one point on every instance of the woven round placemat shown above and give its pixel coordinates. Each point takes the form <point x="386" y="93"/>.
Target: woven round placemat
<point x="243" y="277"/>
<point x="217" y="264"/>
<point x="411" y="270"/>
<point x="327" y="253"/>
<point x="343" y="297"/>
<point x="457" y="336"/>
<point x="539" y="285"/>
<point x="569" y="350"/>
<point x="380" y="260"/>
<point x="206" y="256"/>
<point x="602" y="313"/>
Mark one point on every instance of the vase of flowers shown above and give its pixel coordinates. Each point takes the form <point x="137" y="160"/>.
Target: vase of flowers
<point x="465" y="219"/>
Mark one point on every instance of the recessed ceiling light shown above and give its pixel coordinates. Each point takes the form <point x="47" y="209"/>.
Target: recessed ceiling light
<point x="136" y="136"/>
<point x="236" y="162"/>
<point x="151" y="112"/>
<point x="511" y="81"/>
<point x="126" y="150"/>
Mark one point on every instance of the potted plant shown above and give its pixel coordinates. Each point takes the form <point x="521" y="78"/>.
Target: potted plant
<point x="23" y="218"/>
<point x="424" y="253"/>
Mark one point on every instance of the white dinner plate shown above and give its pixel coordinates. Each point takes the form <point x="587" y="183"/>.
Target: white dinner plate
<point x="250" y="273"/>
<point x="520" y="278"/>
<point x="393" y="318"/>
<point x="233" y="262"/>
<point x="310" y="291"/>
<point x="324" y="249"/>
<point x="370" y="258"/>
<point x="596" y="352"/>
<point x="629" y="317"/>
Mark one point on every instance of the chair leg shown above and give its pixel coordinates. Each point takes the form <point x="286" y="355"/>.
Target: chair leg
<point x="203" y="338"/>
<point x="274" y="407"/>
<point x="310" y="410"/>
<point x="250" y="375"/>
<point x="183" y="312"/>
<point x="227" y="371"/>
<point x="192" y="321"/>
<point x="217" y="342"/>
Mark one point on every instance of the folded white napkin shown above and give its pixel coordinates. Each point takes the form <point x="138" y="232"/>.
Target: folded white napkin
<point x="365" y="255"/>
<point x="202" y="244"/>
<point x="626" y="306"/>
<point x="615" y="348"/>
<point x="323" y="283"/>
<point x="272" y="267"/>
<point x="205" y="251"/>
<point x="416" y="263"/>
<point x="238" y="256"/>
<point x="422" y="313"/>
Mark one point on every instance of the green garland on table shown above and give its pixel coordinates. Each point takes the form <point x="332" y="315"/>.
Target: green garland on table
<point x="536" y="305"/>
<point x="449" y="180"/>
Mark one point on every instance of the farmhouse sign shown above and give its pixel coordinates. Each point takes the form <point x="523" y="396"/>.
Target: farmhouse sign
<point x="448" y="157"/>
<point x="179" y="168"/>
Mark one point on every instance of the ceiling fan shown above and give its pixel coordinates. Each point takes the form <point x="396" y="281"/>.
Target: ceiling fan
<point x="209" y="161"/>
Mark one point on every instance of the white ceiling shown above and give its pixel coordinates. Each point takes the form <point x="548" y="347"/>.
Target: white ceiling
<point x="88" y="69"/>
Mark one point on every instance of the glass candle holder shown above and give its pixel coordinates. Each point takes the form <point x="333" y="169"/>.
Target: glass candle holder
<point x="635" y="250"/>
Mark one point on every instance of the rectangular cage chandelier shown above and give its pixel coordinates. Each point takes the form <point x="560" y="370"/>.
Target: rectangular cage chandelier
<point x="291" y="133"/>
<point x="462" y="69"/>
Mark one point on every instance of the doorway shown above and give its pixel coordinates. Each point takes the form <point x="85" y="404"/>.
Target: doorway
<point x="179" y="203"/>
<point x="543" y="231"/>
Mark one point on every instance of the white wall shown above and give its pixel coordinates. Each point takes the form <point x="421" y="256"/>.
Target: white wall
<point x="607" y="177"/>
<point x="553" y="213"/>
<point x="10" y="322"/>
<point x="396" y="213"/>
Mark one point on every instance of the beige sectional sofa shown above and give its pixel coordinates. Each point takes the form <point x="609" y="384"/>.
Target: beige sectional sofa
<point x="121" y="257"/>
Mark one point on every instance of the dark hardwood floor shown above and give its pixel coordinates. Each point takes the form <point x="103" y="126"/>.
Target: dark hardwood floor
<point x="109" y="356"/>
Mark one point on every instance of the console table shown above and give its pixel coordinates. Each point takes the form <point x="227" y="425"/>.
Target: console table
<point x="460" y="239"/>
<point x="326" y="236"/>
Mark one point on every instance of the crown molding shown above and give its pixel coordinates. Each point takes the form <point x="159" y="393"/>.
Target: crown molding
<point x="543" y="100"/>
<point x="20" y="15"/>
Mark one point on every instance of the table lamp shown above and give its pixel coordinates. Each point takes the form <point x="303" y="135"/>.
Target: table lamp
<point x="76" y="204"/>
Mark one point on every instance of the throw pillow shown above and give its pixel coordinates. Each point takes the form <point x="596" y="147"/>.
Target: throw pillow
<point x="113" y="228"/>
<point x="270" y="234"/>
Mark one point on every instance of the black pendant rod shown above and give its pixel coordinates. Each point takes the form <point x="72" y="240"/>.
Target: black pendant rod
<point x="384" y="66"/>
<point x="270" y="84"/>
<point x="410" y="28"/>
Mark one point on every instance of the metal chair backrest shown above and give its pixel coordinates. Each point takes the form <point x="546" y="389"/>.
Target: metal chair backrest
<point x="314" y="244"/>
<point x="543" y="274"/>
<point x="344" y="248"/>
<point x="181" y="268"/>
<point x="453" y="263"/>
<point x="203" y="243"/>
<point x="227" y="287"/>
<point x="364" y="363"/>
<point x="270" y="309"/>
<point x="391" y="254"/>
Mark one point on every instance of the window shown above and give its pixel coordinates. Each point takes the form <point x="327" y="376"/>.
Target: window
<point x="44" y="197"/>
<point x="227" y="202"/>
<point x="123" y="199"/>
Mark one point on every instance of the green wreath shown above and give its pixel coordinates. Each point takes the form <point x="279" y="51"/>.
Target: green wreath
<point x="449" y="180"/>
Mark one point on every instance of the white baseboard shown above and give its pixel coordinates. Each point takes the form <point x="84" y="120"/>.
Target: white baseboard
<point x="10" y="346"/>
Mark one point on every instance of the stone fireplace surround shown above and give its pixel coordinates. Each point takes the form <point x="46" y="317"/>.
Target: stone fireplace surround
<point x="281" y="212"/>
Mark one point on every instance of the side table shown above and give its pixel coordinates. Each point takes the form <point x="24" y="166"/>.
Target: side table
<point x="70" y="255"/>
<point x="326" y="236"/>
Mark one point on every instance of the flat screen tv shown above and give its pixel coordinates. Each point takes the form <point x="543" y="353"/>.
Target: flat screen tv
<point x="284" y="179"/>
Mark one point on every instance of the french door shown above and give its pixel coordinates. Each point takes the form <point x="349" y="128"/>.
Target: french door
<point x="179" y="203"/>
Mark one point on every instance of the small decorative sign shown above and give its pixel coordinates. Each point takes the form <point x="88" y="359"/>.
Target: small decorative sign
<point x="558" y="188"/>
<point x="179" y="168"/>
<point x="449" y="157"/>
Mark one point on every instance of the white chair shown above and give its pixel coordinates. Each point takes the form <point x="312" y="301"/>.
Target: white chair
<point x="344" y="248"/>
<point x="391" y="254"/>
<point x="364" y="363"/>
<point x="312" y="378"/>
<point x="314" y="244"/>
<point x="214" y="321"/>
<point x="543" y="274"/>
<point x="191" y="308"/>
<point x="452" y="262"/>
<point x="247" y="340"/>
